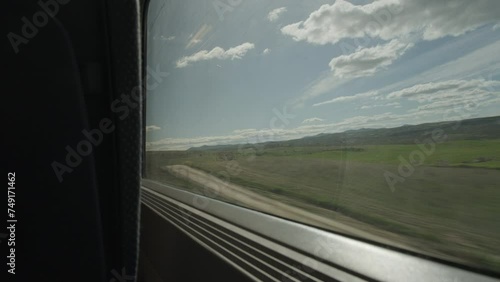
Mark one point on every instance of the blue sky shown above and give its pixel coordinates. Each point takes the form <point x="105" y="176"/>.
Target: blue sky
<point x="255" y="71"/>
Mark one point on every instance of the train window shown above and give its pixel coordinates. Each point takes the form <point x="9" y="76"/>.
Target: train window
<point x="375" y="119"/>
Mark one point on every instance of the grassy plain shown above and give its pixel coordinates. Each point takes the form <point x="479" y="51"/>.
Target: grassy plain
<point x="449" y="207"/>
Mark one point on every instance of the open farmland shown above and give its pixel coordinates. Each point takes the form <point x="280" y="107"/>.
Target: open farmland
<point x="444" y="203"/>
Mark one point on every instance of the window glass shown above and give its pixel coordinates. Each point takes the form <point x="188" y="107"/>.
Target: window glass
<point x="376" y="119"/>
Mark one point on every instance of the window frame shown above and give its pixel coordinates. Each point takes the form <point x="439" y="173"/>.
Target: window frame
<point x="349" y="259"/>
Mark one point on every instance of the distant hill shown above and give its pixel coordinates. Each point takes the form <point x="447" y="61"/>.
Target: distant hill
<point x="470" y="129"/>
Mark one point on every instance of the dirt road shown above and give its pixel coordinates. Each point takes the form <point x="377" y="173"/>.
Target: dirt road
<point x="219" y="187"/>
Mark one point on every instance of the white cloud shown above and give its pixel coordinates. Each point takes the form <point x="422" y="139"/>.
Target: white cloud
<point x="236" y="52"/>
<point x="312" y="120"/>
<point x="472" y="99"/>
<point x="150" y="128"/>
<point x="435" y="96"/>
<point x="406" y="21"/>
<point x="371" y="106"/>
<point x="367" y="61"/>
<point x="445" y="89"/>
<point x="266" y="51"/>
<point x="451" y="95"/>
<point x="342" y="99"/>
<point x="482" y="63"/>
<point x="275" y="14"/>
<point x="170" y="38"/>
<point x="388" y="19"/>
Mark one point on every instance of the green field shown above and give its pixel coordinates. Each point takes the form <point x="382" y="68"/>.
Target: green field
<point x="448" y="207"/>
<point x="479" y="153"/>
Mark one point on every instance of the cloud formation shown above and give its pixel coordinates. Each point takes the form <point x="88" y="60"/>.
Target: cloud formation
<point x="450" y="94"/>
<point x="371" y="106"/>
<point x="367" y="61"/>
<point x="236" y="52"/>
<point x="351" y="98"/>
<point x="266" y="51"/>
<point x="399" y="24"/>
<point x="444" y="89"/>
<point x="389" y="19"/>
<point x="440" y="95"/>
<point x="275" y="14"/>
<point x="312" y="120"/>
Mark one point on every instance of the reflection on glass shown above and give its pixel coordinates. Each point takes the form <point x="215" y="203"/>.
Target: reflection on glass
<point x="375" y="119"/>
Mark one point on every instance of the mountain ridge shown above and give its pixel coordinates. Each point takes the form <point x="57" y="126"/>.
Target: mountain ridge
<point x="467" y="129"/>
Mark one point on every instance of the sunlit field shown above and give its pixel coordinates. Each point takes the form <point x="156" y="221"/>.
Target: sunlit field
<point x="441" y="199"/>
